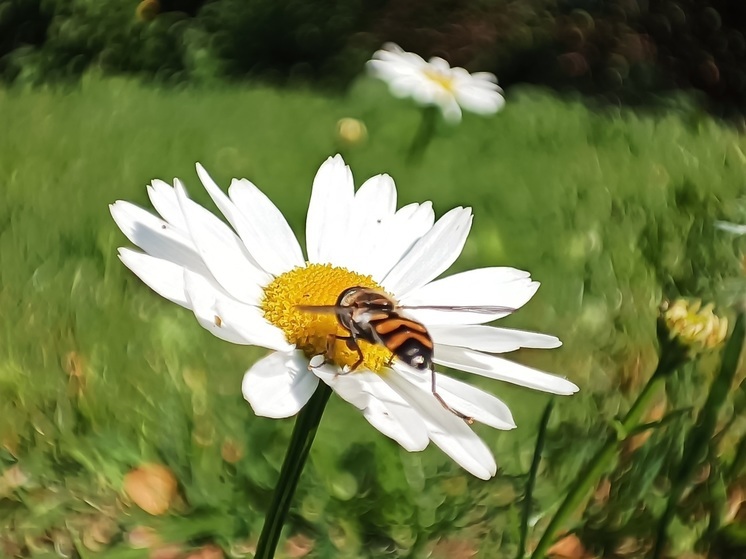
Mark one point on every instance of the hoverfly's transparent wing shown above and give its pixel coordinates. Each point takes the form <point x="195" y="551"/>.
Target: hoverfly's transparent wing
<point x="331" y="309"/>
<point x="319" y="309"/>
<point x="459" y="308"/>
<point x="334" y="309"/>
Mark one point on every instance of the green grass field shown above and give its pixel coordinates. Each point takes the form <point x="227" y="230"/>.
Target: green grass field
<point x="610" y="211"/>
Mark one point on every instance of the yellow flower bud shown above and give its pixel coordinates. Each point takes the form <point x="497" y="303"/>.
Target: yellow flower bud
<point x="695" y="326"/>
<point x="351" y="131"/>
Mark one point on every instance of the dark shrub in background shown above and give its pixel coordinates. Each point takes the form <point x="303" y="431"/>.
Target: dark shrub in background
<point x="617" y="50"/>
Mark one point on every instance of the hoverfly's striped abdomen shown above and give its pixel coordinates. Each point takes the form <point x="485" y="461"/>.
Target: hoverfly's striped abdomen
<point x="373" y="316"/>
<point x="407" y="339"/>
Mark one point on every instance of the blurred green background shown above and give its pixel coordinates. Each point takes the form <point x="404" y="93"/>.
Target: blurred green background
<point x="610" y="208"/>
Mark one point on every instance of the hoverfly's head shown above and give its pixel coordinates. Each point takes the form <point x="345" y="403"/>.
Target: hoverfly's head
<point x="289" y="302"/>
<point x="349" y="295"/>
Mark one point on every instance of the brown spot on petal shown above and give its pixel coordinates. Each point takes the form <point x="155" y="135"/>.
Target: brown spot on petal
<point x="152" y="487"/>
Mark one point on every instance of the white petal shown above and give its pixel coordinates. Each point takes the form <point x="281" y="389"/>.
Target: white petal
<point x="163" y="198"/>
<point x="162" y="276"/>
<point x="479" y="100"/>
<point x="451" y="109"/>
<point x="329" y="211"/>
<point x="432" y="254"/>
<point x="398" y="235"/>
<point x="423" y="90"/>
<point x="373" y="208"/>
<point x="440" y="65"/>
<point x="475" y="403"/>
<point x="487" y="77"/>
<point x="261" y="226"/>
<point x="499" y="286"/>
<point x="203" y="295"/>
<point x="497" y="368"/>
<point x="490" y="339"/>
<point x="375" y="201"/>
<point x="279" y="385"/>
<point x="222" y="251"/>
<point x="389" y="70"/>
<point x="381" y="406"/>
<point x="250" y="323"/>
<point x="259" y="223"/>
<point x="446" y="430"/>
<point x="156" y="237"/>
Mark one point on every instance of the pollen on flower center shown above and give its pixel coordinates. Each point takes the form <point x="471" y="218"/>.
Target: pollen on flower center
<point x="314" y="333"/>
<point x="443" y="80"/>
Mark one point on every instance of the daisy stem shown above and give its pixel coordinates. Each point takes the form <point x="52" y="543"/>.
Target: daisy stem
<point x="301" y="440"/>
<point x="540" y="438"/>
<point x="699" y="438"/>
<point x="602" y="460"/>
<point x="424" y="135"/>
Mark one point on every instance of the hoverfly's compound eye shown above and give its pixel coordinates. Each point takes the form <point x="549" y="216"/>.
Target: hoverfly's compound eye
<point x="346" y="298"/>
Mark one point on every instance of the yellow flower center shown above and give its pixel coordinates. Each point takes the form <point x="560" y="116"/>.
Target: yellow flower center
<point x="316" y="333"/>
<point x="443" y="80"/>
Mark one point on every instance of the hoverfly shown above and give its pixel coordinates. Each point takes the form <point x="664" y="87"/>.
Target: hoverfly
<point x="371" y="315"/>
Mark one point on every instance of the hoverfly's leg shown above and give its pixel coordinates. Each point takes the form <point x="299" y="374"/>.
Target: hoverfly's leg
<point x="469" y="420"/>
<point x="353" y="345"/>
<point x="330" y="339"/>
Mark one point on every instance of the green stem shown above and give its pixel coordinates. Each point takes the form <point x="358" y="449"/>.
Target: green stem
<point x="527" y="499"/>
<point x="424" y="135"/>
<point x="300" y="444"/>
<point x="602" y="459"/>
<point x="698" y="440"/>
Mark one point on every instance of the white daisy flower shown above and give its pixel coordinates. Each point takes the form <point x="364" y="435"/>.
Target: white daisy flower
<point x="436" y="83"/>
<point x="734" y="228"/>
<point x="244" y="283"/>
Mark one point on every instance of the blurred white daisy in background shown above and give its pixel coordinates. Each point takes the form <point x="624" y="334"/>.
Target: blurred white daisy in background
<point x="436" y="83"/>
<point x="244" y="282"/>
<point x="735" y="228"/>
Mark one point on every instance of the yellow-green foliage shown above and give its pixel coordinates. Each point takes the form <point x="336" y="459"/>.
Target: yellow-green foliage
<point x="98" y="374"/>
